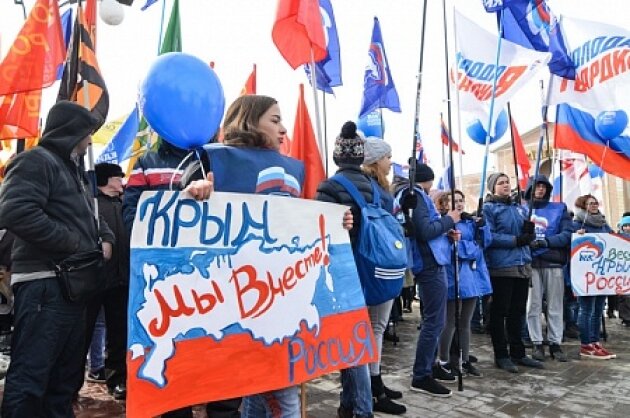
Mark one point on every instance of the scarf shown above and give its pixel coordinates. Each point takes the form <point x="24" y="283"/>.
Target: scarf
<point x="595" y="220"/>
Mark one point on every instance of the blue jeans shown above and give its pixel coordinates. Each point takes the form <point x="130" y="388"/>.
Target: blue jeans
<point x="97" y="347"/>
<point x="433" y="292"/>
<point x="590" y="317"/>
<point x="281" y="403"/>
<point x="356" y="390"/>
<point x="571" y="307"/>
<point x="47" y="352"/>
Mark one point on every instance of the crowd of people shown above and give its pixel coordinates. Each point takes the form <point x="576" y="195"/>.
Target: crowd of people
<point x="504" y="266"/>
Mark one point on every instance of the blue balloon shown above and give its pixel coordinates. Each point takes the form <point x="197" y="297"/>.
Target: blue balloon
<point x="477" y="131"/>
<point x="610" y="124"/>
<point x="182" y="99"/>
<point x="372" y="124"/>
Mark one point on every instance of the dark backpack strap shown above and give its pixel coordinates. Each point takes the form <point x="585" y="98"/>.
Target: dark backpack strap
<point x="351" y="189"/>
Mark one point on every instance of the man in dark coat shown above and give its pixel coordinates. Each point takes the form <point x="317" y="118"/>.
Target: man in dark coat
<point x="46" y="204"/>
<point x="115" y="274"/>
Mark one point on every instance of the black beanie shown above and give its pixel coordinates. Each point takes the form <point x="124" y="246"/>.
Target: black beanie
<point x="349" y="147"/>
<point x="423" y="173"/>
<point x="106" y="170"/>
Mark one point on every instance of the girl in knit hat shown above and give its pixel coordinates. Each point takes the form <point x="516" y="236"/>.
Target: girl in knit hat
<point x="509" y="263"/>
<point x="377" y="165"/>
<point x="349" y="153"/>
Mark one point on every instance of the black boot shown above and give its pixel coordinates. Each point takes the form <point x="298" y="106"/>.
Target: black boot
<point x="344" y="412"/>
<point x="381" y="402"/>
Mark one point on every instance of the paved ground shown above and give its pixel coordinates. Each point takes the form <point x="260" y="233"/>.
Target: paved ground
<point x="579" y="388"/>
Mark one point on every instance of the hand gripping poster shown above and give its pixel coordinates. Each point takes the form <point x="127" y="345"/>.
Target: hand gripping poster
<point x="238" y="295"/>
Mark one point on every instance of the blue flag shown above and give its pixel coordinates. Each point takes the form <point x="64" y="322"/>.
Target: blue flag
<point x="119" y="149"/>
<point x="493" y="5"/>
<point x="444" y="183"/>
<point x="379" y="90"/>
<point x="328" y="70"/>
<point x="66" y="27"/>
<point x="148" y="4"/>
<point x="531" y="23"/>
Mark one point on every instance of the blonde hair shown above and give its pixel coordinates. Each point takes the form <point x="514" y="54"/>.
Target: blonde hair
<point x="372" y="171"/>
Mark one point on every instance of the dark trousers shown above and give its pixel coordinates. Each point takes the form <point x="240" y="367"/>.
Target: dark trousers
<point x="227" y="408"/>
<point x="114" y="303"/>
<point x="47" y="351"/>
<point x="507" y="312"/>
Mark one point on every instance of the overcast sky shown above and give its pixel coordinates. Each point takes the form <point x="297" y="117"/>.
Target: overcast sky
<point x="237" y="33"/>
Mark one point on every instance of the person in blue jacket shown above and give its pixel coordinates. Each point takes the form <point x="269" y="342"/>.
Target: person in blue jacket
<point x="589" y="219"/>
<point x="509" y="263"/>
<point x="432" y="233"/>
<point x="474" y="282"/>
<point x="624" y="300"/>
<point x="549" y="255"/>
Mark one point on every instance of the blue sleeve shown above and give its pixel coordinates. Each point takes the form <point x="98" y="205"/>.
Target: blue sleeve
<point x="426" y="229"/>
<point x="563" y="238"/>
<point x="498" y="240"/>
<point x="486" y="236"/>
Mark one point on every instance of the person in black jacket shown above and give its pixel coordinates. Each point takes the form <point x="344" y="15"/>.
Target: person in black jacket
<point x="46" y="204"/>
<point x="356" y="395"/>
<point x="115" y="273"/>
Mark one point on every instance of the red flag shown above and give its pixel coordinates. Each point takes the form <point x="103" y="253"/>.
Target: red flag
<point x="19" y="115"/>
<point x="304" y="148"/>
<point x="36" y="53"/>
<point x="298" y="32"/>
<point x="90" y="19"/>
<point x="250" y="84"/>
<point x="522" y="161"/>
<point x="446" y="136"/>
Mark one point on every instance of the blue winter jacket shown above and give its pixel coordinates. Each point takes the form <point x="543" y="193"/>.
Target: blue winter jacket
<point x="505" y="220"/>
<point x="474" y="279"/>
<point x="430" y="230"/>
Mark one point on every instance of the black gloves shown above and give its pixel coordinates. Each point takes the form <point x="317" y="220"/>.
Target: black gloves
<point x="524" y="239"/>
<point x="539" y="243"/>
<point x="409" y="228"/>
<point x="528" y="227"/>
<point x="466" y="216"/>
<point x="409" y="201"/>
<point x="480" y="223"/>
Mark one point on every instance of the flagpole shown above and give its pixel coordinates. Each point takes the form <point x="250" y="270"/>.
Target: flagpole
<point x="543" y="129"/>
<point x="459" y="118"/>
<point x="90" y="151"/>
<point x="518" y="183"/>
<point x="451" y="178"/>
<point x="161" y="26"/>
<point x="416" y="121"/>
<point x="484" y="172"/>
<point x="317" y="119"/>
<point x="325" y="133"/>
<point x="443" y="152"/>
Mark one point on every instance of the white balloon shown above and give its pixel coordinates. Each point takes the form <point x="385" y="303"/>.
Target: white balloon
<point x="111" y="12"/>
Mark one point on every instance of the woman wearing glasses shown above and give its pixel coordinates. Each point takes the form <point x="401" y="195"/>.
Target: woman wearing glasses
<point x="589" y="219"/>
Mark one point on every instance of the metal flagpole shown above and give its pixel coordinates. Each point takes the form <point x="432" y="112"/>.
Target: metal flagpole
<point x="416" y="122"/>
<point x="451" y="175"/>
<point x="317" y="119"/>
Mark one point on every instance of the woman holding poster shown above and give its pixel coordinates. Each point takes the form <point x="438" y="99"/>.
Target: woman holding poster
<point x="589" y="219"/>
<point x="253" y="133"/>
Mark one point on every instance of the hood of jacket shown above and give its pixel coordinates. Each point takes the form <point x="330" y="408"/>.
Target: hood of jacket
<point x="67" y="124"/>
<point x="531" y="185"/>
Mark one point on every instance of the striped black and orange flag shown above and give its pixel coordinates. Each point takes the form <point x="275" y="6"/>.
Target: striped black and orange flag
<point x="82" y="81"/>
